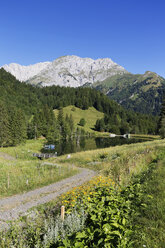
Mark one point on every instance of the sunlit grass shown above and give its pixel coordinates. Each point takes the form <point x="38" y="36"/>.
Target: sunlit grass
<point x="119" y="162"/>
<point x="117" y="166"/>
<point x="151" y="222"/>
<point x="24" y="151"/>
<point x="145" y="136"/>
<point x="90" y="115"/>
<point x="21" y="172"/>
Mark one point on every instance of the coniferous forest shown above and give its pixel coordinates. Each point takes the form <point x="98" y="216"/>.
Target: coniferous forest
<point x="26" y="111"/>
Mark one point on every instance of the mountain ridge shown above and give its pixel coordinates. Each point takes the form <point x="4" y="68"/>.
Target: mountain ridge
<point x="22" y="72"/>
<point x="140" y="92"/>
<point x="67" y="70"/>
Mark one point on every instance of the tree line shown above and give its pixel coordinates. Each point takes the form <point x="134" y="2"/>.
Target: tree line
<point x="13" y="128"/>
<point x="127" y="124"/>
<point x="45" y="123"/>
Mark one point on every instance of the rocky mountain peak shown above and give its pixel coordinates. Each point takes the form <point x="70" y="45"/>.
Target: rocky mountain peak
<point x="66" y="71"/>
<point x="22" y="72"/>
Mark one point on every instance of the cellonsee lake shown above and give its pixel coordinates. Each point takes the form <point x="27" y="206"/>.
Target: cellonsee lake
<point x="83" y="144"/>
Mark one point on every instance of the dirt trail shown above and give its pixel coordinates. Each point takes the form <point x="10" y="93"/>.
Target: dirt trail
<point x="15" y="206"/>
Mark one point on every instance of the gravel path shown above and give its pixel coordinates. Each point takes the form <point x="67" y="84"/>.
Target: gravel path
<point x="6" y="156"/>
<point x="15" y="206"/>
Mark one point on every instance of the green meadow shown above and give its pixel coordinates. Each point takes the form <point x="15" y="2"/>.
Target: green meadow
<point x="90" y="115"/>
<point x="150" y="222"/>
<point x="123" y="207"/>
<point x="119" y="162"/>
<point x="21" y="172"/>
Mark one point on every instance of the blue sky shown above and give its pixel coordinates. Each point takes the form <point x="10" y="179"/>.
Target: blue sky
<point x="130" y="32"/>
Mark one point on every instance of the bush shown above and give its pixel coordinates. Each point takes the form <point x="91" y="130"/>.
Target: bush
<point x="73" y="109"/>
<point x="82" y="122"/>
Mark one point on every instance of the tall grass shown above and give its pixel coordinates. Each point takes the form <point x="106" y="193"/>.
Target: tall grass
<point x="21" y="172"/>
<point x="23" y="151"/>
<point x="150" y="223"/>
<point x="119" y="162"/>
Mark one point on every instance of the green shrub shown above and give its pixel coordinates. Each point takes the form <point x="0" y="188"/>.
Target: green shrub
<point x="82" y="122"/>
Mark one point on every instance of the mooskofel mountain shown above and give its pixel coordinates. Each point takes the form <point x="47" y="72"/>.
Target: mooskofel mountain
<point x="140" y="92"/>
<point x="66" y="71"/>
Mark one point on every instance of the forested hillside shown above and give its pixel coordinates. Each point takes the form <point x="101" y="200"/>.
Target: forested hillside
<point x="36" y="104"/>
<point x="142" y="93"/>
<point x="13" y="128"/>
<point x="19" y="95"/>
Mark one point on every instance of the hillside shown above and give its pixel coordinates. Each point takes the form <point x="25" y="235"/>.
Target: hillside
<point x="140" y="92"/>
<point x="33" y="100"/>
<point x="16" y="94"/>
<point x="90" y="115"/>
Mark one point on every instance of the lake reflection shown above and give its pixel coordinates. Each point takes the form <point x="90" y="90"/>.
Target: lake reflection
<point x="83" y="144"/>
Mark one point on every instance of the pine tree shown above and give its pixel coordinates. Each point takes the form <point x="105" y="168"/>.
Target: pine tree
<point x="31" y="130"/>
<point x="22" y="126"/>
<point x="66" y="131"/>
<point x="5" y="135"/>
<point x="60" y="117"/>
<point x="161" y="124"/>
<point x="82" y="122"/>
<point x="100" y="125"/>
<point x="17" y="126"/>
<point x="66" y="118"/>
<point x="71" y="124"/>
<point x="53" y="131"/>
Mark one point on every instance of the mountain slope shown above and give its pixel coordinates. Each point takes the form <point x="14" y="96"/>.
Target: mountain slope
<point x="66" y="71"/>
<point x="140" y="92"/>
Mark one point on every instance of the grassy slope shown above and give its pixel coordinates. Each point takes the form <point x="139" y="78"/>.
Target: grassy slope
<point x="119" y="161"/>
<point x="145" y="136"/>
<point x="151" y="221"/>
<point x="90" y="115"/>
<point x="17" y="166"/>
<point x="117" y="81"/>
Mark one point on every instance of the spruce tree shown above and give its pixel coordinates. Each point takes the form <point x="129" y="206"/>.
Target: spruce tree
<point x="71" y="124"/>
<point x="5" y="135"/>
<point x="82" y="122"/>
<point x="60" y="117"/>
<point x="31" y="130"/>
<point x="161" y="124"/>
<point x="17" y="126"/>
<point x="53" y="131"/>
<point x="22" y="125"/>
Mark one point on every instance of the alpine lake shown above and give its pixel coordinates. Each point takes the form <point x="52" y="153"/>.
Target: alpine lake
<point x="88" y="143"/>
